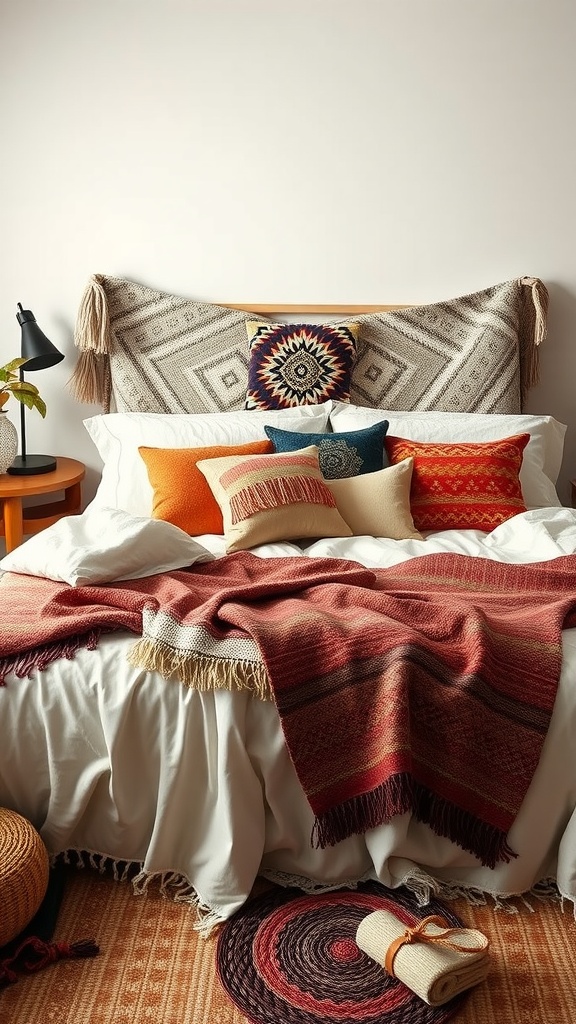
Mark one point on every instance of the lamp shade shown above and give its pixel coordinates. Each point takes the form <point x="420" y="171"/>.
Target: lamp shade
<point x="36" y="348"/>
<point x="39" y="354"/>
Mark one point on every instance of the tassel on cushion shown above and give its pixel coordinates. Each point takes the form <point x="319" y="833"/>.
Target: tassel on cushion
<point x="277" y="492"/>
<point x="91" y="378"/>
<point x="532" y="329"/>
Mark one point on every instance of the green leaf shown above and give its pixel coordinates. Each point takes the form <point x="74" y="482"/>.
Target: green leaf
<point x="24" y="392"/>
<point x="23" y="385"/>
<point x="31" y="401"/>
<point x="14" y="364"/>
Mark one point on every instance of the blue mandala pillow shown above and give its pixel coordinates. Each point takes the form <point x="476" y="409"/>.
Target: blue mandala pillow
<point x="299" y="364"/>
<point x="339" y="455"/>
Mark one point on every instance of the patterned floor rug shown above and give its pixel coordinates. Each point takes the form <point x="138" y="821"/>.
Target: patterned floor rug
<point x="154" y="969"/>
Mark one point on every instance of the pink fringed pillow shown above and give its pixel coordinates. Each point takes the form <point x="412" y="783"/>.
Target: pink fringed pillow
<point x="266" y="498"/>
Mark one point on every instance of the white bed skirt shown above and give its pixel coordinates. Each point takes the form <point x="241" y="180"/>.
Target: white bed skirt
<point x="198" y="789"/>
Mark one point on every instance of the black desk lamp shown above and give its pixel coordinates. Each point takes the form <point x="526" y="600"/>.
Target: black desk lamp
<point x="39" y="354"/>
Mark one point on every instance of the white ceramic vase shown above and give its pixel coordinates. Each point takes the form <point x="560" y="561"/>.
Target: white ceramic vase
<point x="8" y="441"/>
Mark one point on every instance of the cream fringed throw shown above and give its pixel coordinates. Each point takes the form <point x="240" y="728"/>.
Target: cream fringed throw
<point x="142" y="350"/>
<point x="434" y="961"/>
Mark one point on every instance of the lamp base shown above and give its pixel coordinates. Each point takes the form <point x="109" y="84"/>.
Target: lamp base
<point x="28" y="464"/>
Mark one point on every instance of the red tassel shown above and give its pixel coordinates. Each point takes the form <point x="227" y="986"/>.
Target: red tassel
<point x="33" y="954"/>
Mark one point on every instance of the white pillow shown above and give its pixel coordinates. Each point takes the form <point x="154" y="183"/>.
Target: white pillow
<point x="125" y="482"/>
<point x="103" y="545"/>
<point x="542" y="456"/>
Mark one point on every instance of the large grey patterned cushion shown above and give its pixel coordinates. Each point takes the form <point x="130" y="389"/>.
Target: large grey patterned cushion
<point x="458" y="356"/>
<point x="170" y="354"/>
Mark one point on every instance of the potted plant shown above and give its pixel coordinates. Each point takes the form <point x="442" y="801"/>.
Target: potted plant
<point x="10" y="384"/>
<point x="28" y="395"/>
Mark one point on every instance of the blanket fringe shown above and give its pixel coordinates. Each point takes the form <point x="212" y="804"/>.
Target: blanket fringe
<point x="532" y="329"/>
<point x="199" y="671"/>
<point x="90" y="380"/>
<point x="24" y="663"/>
<point x="399" y="794"/>
<point x="365" y="811"/>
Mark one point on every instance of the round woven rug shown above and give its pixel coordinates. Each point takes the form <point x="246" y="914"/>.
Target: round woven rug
<point x="291" y="957"/>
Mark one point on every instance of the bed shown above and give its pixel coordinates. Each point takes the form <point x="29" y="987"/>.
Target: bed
<point x="201" y="741"/>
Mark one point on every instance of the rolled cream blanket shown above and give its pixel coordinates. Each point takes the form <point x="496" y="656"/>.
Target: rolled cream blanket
<point x="434" y="960"/>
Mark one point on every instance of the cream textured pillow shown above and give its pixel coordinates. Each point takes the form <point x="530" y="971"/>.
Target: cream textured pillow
<point x="273" y="497"/>
<point x="378" y="504"/>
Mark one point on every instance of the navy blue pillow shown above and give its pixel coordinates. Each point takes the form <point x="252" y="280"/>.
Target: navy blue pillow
<point x="349" y="453"/>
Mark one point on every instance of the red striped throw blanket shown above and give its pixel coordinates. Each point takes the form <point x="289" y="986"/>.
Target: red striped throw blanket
<point x="425" y="687"/>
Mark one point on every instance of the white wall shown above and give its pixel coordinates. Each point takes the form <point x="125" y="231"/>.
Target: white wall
<point x="294" y="151"/>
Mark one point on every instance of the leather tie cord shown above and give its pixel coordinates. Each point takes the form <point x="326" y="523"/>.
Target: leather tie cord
<point x="419" y="934"/>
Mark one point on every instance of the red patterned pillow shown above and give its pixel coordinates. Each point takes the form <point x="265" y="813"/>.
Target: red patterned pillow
<point x="462" y="486"/>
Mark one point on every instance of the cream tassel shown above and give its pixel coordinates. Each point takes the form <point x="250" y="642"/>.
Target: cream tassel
<point x="539" y="294"/>
<point x="93" y="321"/>
<point x="532" y="329"/>
<point x="90" y="381"/>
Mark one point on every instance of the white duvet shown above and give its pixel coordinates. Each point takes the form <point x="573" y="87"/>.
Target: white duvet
<point x="198" y="788"/>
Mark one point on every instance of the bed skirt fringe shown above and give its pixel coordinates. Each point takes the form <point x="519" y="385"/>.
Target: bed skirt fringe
<point x="424" y="887"/>
<point x="171" y="884"/>
<point x="510" y="902"/>
<point x="175" y="886"/>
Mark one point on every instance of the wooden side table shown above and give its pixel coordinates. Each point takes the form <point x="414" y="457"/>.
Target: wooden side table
<point x="18" y="521"/>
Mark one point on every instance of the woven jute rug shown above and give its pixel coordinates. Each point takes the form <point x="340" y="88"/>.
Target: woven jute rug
<point x="293" y="957"/>
<point x="154" y="969"/>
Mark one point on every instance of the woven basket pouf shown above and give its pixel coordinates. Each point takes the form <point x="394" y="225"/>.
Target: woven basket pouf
<point x="24" y="867"/>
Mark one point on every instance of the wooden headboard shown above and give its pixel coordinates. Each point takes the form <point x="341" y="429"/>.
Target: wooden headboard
<point x="290" y="311"/>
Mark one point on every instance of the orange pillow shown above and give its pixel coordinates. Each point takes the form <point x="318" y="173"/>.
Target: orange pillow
<point x="181" y="493"/>
<point x="462" y="486"/>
